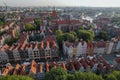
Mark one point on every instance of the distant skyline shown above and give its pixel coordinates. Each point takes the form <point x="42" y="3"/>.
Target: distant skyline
<point x="85" y="3"/>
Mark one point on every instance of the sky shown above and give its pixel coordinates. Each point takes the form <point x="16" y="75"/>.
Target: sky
<point x="86" y="3"/>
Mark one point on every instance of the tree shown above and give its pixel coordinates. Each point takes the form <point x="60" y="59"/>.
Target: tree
<point x="69" y="37"/>
<point x="15" y="77"/>
<point x="93" y="76"/>
<point x="59" y="38"/>
<point x="81" y="28"/>
<point x="2" y="19"/>
<point x="92" y="32"/>
<point x="86" y="76"/>
<point x="79" y="76"/>
<point x="1" y="33"/>
<point x="116" y="74"/>
<point x="10" y="15"/>
<point x="17" y="34"/>
<point x="86" y="35"/>
<point x="58" y="33"/>
<point x="70" y="77"/>
<point x="56" y="74"/>
<point x="116" y="20"/>
<point x="38" y="22"/>
<point x="111" y="77"/>
<point x="1" y="23"/>
<point x="74" y="33"/>
<point x="9" y="41"/>
<point x="102" y="35"/>
<point x="29" y="27"/>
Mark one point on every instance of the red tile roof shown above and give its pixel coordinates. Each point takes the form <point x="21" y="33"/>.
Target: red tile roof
<point x="7" y="70"/>
<point x="48" y="44"/>
<point x="68" y="65"/>
<point x="33" y="67"/>
<point x="28" y="20"/>
<point x="11" y="48"/>
<point x="23" y="72"/>
<point x="54" y="64"/>
<point x="50" y="39"/>
<point x="77" y="65"/>
<point x="63" y="65"/>
<point x="23" y="46"/>
<point x="31" y="46"/>
<point x="54" y="14"/>
<point x="9" y="23"/>
<point x="22" y="39"/>
<point x="18" y="46"/>
<point x="41" y="68"/>
<point x="47" y="66"/>
<point x="100" y="44"/>
<point x="54" y="44"/>
<point x="42" y="45"/>
<point x="118" y="60"/>
<point x="17" y="69"/>
<point x="36" y="45"/>
<point x="5" y="47"/>
<point x="67" y="22"/>
<point x="62" y="22"/>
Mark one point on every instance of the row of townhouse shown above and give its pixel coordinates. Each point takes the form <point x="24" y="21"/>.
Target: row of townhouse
<point x="74" y="49"/>
<point x="38" y="35"/>
<point x="80" y="48"/>
<point x="7" y="26"/>
<point x="21" y="51"/>
<point x="9" y="34"/>
<point x="38" y="70"/>
<point x="8" y="49"/>
<point x="47" y="49"/>
<point x="3" y="55"/>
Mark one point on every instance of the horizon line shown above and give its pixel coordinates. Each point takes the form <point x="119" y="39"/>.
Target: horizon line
<point x="68" y="6"/>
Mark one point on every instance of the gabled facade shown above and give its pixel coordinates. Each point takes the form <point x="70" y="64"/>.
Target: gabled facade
<point x="16" y="53"/>
<point x="75" y="49"/>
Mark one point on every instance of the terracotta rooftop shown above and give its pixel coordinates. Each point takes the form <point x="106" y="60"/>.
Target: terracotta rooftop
<point x="5" y="47"/>
<point x="9" y="23"/>
<point x="7" y="70"/>
<point x="67" y="65"/>
<point x="59" y="22"/>
<point x="18" y="46"/>
<point x="36" y="45"/>
<point x="48" y="44"/>
<point x="22" y="39"/>
<point x="31" y="46"/>
<point x="33" y="66"/>
<point x="63" y="65"/>
<point x="47" y="66"/>
<point x="77" y="65"/>
<point x="54" y="64"/>
<point x="23" y="46"/>
<point x="118" y="60"/>
<point x="41" y="68"/>
<point x="54" y="44"/>
<point x="11" y="48"/>
<point x="54" y="14"/>
<point x="17" y="69"/>
<point x="27" y="20"/>
<point x="42" y="45"/>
